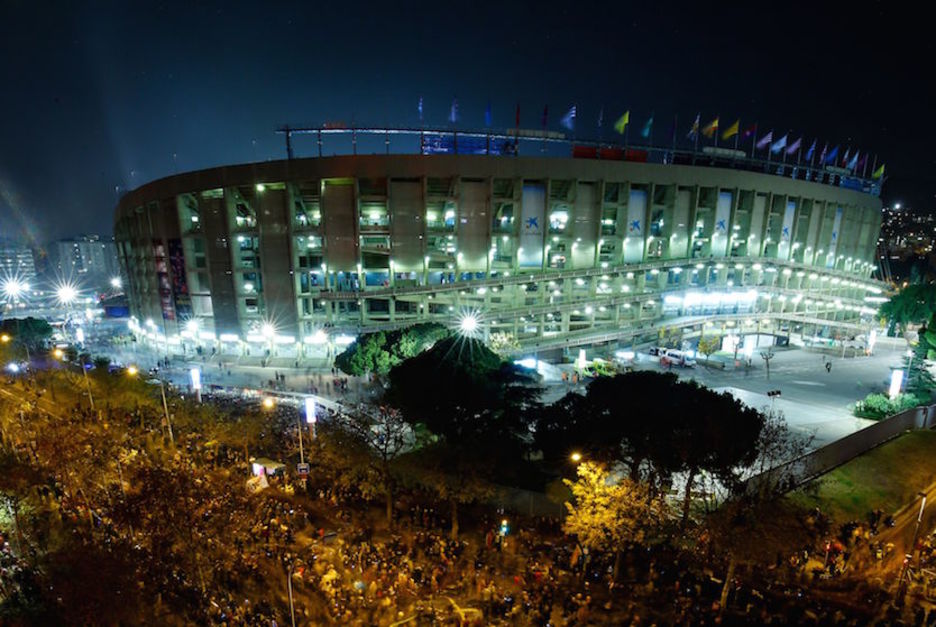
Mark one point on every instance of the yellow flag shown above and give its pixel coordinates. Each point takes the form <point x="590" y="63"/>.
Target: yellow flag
<point x="622" y="122"/>
<point x="732" y="130"/>
<point x="878" y="173"/>
<point x="711" y="128"/>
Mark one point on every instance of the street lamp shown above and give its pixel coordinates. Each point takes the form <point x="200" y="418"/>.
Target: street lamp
<point x="133" y="371"/>
<point x="268" y="402"/>
<point x="116" y="282"/>
<point x="576" y="457"/>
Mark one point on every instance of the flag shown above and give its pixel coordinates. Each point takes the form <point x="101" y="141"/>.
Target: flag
<point x="878" y="173"/>
<point x="732" y="130"/>
<point x="749" y="131"/>
<point x="711" y="128"/>
<point x="568" y="120"/>
<point x="824" y="153"/>
<point x="863" y="161"/>
<point x="764" y="141"/>
<point x="545" y="116"/>
<point x="600" y="118"/>
<point x="830" y="158"/>
<point x="854" y="162"/>
<point x="778" y="145"/>
<point x="648" y="128"/>
<point x="453" y="113"/>
<point x="811" y="151"/>
<point x="487" y="114"/>
<point x="622" y="122"/>
<point x="694" y="131"/>
<point x="845" y="158"/>
<point x="792" y="148"/>
<point x="419" y="108"/>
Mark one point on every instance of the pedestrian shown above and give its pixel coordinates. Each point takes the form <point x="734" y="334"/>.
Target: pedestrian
<point x="828" y="367"/>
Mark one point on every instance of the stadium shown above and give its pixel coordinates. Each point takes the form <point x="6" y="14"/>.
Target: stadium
<point x="550" y="243"/>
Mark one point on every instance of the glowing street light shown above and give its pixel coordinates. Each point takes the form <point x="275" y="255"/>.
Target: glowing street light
<point x="58" y="353"/>
<point x="14" y="288"/>
<point x="116" y="282"/>
<point x="268" y="330"/>
<point x="132" y="371"/>
<point x="4" y="339"/>
<point x="66" y="293"/>
<point x="576" y="457"/>
<point x="268" y="402"/>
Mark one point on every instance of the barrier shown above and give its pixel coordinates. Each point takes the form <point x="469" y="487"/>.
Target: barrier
<point x="794" y="473"/>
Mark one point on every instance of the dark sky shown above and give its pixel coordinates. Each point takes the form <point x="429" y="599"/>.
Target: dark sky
<point x="106" y="94"/>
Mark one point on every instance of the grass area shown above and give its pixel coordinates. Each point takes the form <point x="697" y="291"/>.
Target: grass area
<point x="886" y="477"/>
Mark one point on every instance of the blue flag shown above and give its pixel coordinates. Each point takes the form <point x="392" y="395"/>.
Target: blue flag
<point x="568" y="120"/>
<point x="419" y="108"/>
<point x="854" y="162"/>
<point x="648" y="128"/>
<point x="487" y="114"/>
<point x="453" y="114"/>
<point x="811" y="151"/>
<point x="778" y="145"/>
<point x="830" y="158"/>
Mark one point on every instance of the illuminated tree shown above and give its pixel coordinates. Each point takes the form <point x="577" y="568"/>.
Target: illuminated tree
<point x="609" y="512"/>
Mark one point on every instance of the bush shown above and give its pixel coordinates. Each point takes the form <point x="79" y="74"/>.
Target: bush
<point x="878" y="406"/>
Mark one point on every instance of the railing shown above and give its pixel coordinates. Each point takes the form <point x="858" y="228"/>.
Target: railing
<point x="514" y="142"/>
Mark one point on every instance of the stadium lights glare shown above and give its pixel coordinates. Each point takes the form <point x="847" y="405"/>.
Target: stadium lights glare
<point x="116" y="283"/>
<point x="14" y="288"/>
<point x="468" y="324"/>
<point x="66" y="293"/>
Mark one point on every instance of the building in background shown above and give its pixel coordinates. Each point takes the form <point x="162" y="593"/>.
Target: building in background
<point x="606" y="246"/>
<point x="89" y="260"/>
<point x="17" y="261"/>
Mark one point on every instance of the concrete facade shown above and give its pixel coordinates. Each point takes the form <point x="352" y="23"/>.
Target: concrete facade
<point x="276" y="253"/>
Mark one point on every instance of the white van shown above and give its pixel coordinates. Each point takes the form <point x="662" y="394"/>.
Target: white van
<point x="677" y="358"/>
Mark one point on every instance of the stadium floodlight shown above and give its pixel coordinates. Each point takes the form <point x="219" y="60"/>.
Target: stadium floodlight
<point x="268" y="330"/>
<point x="116" y="282"/>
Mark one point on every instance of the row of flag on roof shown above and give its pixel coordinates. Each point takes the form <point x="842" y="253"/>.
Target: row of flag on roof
<point x="784" y="146"/>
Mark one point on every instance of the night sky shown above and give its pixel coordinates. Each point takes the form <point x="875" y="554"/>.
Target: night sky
<point x="105" y="96"/>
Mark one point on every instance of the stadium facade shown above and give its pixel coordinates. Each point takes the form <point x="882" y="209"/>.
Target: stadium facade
<point x="286" y="256"/>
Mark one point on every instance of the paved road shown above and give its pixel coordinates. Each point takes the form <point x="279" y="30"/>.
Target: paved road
<point x="815" y="402"/>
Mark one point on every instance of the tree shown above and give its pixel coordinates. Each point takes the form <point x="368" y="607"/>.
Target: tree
<point x="767" y="355"/>
<point x="504" y="343"/>
<point x="704" y="431"/>
<point x="385" y="436"/>
<point x="30" y="334"/>
<point x="610" y="512"/>
<point x="380" y="351"/>
<point x="777" y="445"/>
<point x="920" y="381"/>
<point x="914" y="304"/>
<point x="476" y="410"/>
<point x="708" y="345"/>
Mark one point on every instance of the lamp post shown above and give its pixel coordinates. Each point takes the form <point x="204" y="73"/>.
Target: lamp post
<point x="132" y="371"/>
<point x="902" y="587"/>
<point x="84" y="371"/>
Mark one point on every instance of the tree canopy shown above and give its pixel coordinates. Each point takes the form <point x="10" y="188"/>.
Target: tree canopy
<point x="475" y="408"/>
<point x="29" y="333"/>
<point x="380" y="351"/>
<point x="914" y="304"/>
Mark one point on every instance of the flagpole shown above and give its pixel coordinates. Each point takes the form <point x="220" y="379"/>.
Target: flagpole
<point x="737" y="136"/>
<point x="864" y="168"/>
<point x="874" y="165"/>
<point x="675" y="129"/>
<point x="715" y="134"/>
<point x="754" y="142"/>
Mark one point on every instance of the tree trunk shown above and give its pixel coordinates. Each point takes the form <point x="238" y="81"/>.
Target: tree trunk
<point x="687" y="499"/>
<point x="454" y="505"/>
<point x="617" y="565"/>
<point x="724" y="593"/>
<point x="389" y="493"/>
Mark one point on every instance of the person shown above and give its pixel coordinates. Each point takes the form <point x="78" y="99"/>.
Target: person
<point x="828" y="366"/>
